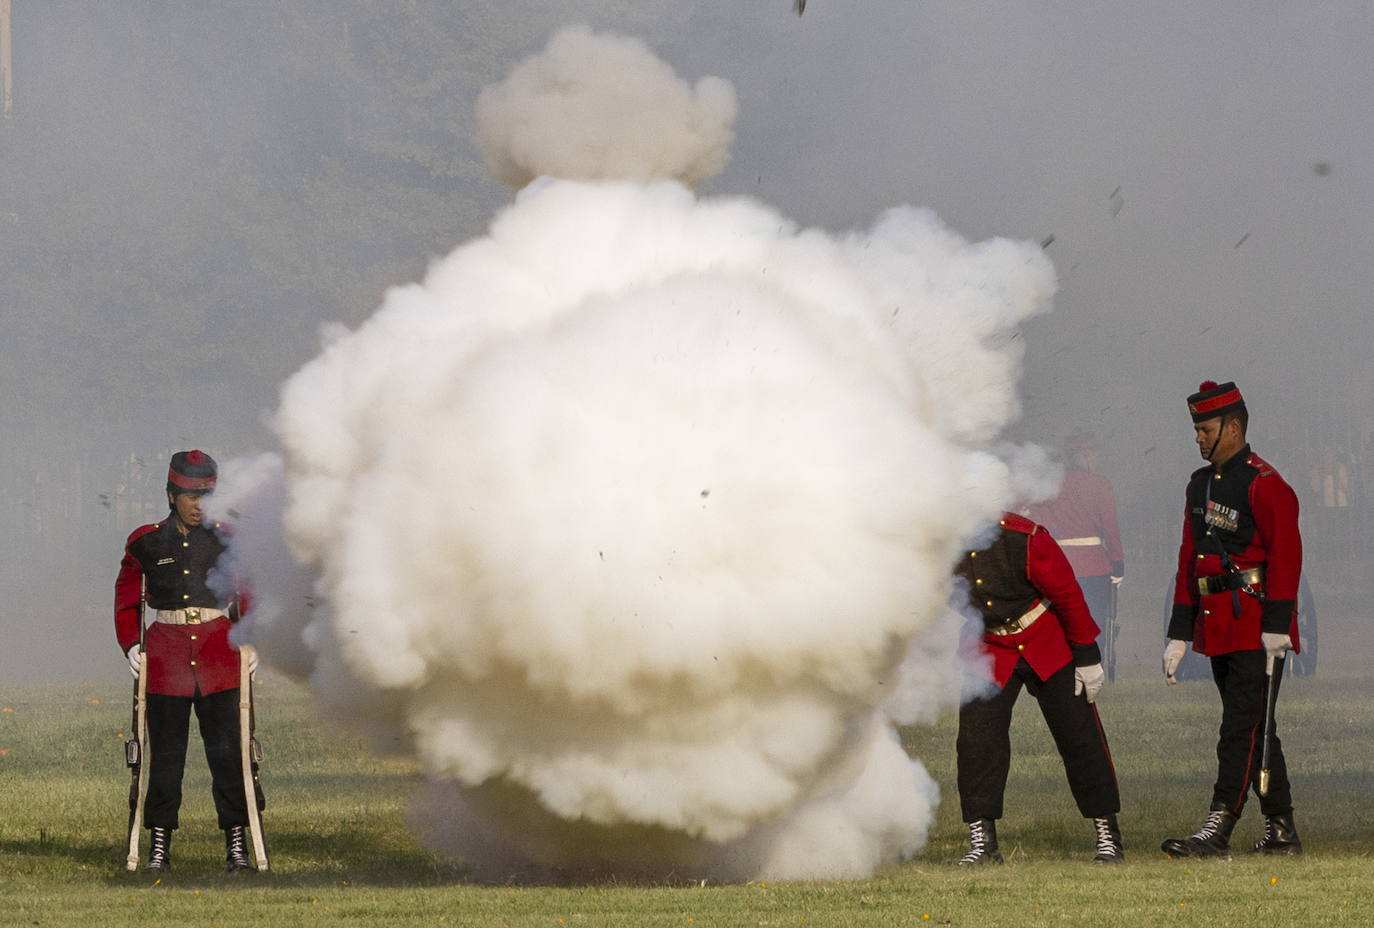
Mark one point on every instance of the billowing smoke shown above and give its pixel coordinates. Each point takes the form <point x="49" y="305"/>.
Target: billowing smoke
<point x="603" y="107"/>
<point x="634" y="520"/>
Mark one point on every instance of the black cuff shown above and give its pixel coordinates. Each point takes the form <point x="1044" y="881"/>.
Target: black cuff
<point x="1118" y="568"/>
<point x="1085" y="655"/>
<point x="1277" y="616"/>
<point x="1181" y="621"/>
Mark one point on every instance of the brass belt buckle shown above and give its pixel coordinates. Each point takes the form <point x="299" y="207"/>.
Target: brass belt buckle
<point x="192" y="616"/>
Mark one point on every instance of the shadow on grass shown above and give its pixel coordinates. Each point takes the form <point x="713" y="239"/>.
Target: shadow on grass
<point x="89" y="854"/>
<point x="298" y="859"/>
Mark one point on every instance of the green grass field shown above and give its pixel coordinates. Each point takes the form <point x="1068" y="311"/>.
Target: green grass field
<point x="342" y="854"/>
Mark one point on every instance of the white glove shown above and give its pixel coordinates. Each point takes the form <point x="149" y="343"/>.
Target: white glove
<point x="1275" y="646"/>
<point x="1089" y="680"/>
<point x="135" y="660"/>
<point x="1116" y="581"/>
<point x="250" y="654"/>
<point x="1173" y="654"/>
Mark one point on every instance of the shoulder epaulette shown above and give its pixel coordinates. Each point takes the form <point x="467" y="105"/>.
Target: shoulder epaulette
<point x="141" y="531"/>
<point x="1016" y="523"/>
<point x="1264" y="468"/>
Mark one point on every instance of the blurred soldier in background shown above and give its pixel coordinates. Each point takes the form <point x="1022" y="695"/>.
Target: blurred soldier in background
<point x="1040" y="636"/>
<point x="1082" y="518"/>
<point x="1235" y="599"/>
<point x="186" y="654"/>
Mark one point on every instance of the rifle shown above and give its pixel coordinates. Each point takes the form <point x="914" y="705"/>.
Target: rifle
<point x="136" y="749"/>
<point x="1271" y="699"/>
<point x="251" y="759"/>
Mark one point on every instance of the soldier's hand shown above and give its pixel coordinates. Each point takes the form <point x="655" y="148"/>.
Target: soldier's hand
<point x="1088" y="681"/>
<point x="249" y="654"/>
<point x="1275" y="646"/>
<point x="135" y="660"/>
<point x="1173" y="655"/>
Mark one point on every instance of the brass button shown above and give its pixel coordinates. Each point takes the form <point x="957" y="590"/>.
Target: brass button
<point x="989" y="603"/>
<point x="973" y="554"/>
<point x="186" y="544"/>
<point x="979" y="581"/>
<point x="1020" y="647"/>
<point x="1207" y="612"/>
<point x="193" y="637"/>
<point x="193" y="663"/>
<point x="185" y="595"/>
<point x="186" y="572"/>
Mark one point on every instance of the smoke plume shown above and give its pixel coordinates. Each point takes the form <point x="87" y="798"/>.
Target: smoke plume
<point x="600" y="107"/>
<point x="633" y="521"/>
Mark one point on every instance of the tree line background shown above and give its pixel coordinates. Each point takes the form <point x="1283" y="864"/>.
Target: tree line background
<point x="188" y="191"/>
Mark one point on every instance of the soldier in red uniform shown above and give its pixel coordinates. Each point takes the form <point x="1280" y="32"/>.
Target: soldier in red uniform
<point x="1235" y="599"/>
<point x="1082" y="518"/>
<point x="1040" y="636"/>
<point x="190" y="662"/>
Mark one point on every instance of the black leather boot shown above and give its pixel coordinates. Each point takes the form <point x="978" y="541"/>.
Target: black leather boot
<point x="1213" y="839"/>
<point x="1110" y="850"/>
<point x="1280" y="836"/>
<point x="159" y="850"/>
<point x="982" y="844"/>
<point x="236" y="850"/>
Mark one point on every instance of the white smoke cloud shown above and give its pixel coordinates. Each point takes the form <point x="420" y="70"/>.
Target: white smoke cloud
<point x="634" y="522"/>
<point x="1035" y="476"/>
<point x="603" y="107"/>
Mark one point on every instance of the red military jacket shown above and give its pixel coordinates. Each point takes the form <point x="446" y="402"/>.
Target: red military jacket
<point x="1247" y="510"/>
<point x="1023" y="568"/>
<point x="1085" y="508"/>
<point x="177" y="571"/>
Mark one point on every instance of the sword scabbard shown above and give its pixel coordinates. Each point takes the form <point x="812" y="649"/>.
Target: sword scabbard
<point x="1271" y="698"/>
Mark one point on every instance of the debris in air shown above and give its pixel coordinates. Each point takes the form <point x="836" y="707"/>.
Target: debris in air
<point x="1116" y="200"/>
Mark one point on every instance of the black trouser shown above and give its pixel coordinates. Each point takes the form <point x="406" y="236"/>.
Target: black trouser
<point x="169" y="723"/>
<point x="1241" y="680"/>
<point x="984" y="745"/>
<point x="1097" y="593"/>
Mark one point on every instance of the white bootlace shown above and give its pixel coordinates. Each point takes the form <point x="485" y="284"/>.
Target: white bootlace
<point x="157" y="853"/>
<point x="978" y="841"/>
<point x="1210" y="827"/>
<point x="238" y="849"/>
<point x="1106" y="843"/>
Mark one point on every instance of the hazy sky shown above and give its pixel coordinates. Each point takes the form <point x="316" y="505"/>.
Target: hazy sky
<point x="1204" y="170"/>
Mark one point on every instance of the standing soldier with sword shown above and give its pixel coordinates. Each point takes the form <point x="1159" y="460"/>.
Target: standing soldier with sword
<point x="1235" y="599"/>
<point x="182" y="660"/>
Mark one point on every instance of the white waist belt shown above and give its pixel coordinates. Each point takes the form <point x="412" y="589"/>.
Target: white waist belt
<point x="1020" y="625"/>
<point x="1080" y="542"/>
<point x="192" y="615"/>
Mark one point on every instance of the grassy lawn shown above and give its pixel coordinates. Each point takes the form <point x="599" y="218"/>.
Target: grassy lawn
<point x="341" y="852"/>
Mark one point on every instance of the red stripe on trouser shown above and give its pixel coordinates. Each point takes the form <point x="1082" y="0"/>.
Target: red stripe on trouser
<point x="1106" y="748"/>
<point x="1244" y="790"/>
